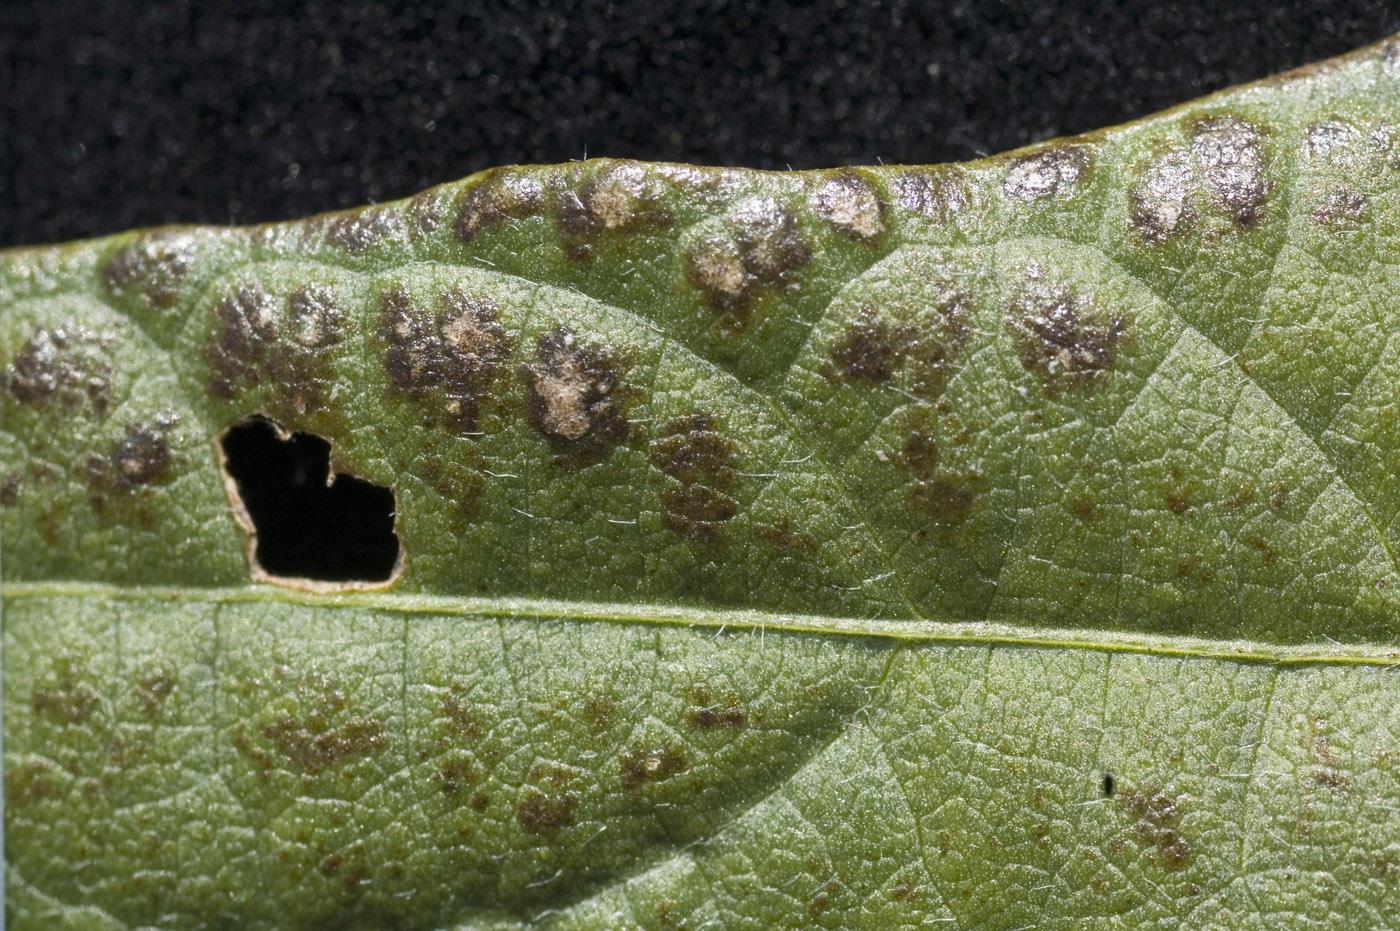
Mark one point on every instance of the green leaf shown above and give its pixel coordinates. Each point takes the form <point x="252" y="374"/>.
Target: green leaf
<point x="1000" y="545"/>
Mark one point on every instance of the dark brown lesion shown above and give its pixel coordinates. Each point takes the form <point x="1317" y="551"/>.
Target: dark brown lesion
<point x="548" y="804"/>
<point x="64" y="368"/>
<point x="322" y="734"/>
<point x="140" y="458"/>
<point x="502" y="195"/>
<point x="872" y="348"/>
<point x="712" y="710"/>
<point x="692" y="450"/>
<point x="65" y="696"/>
<point x="1233" y="160"/>
<point x="620" y="198"/>
<point x="152" y="690"/>
<point x="851" y="204"/>
<point x="457" y="354"/>
<point x="1159" y="201"/>
<point x="33" y="781"/>
<point x="1157" y="825"/>
<point x="360" y="230"/>
<point x="944" y="495"/>
<point x="937" y="195"/>
<point x="1342" y="208"/>
<point x="154" y="267"/>
<point x="640" y="765"/>
<point x="573" y="394"/>
<point x="1052" y="172"/>
<point x="758" y="247"/>
<point x="1059" y="339"/>
<point x="283" y="345"/>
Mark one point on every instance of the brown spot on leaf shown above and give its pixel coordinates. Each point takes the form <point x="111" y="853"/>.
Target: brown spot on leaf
<point x="1231" y="154"/>
<point x="141" y="457"/>
<point x="66" y="697"/>
<point x="544" y="814"/>
<point x="1156" y="825"/>
<point x="1326" y="771"/>
<point x="152" y="266"/>
<point x="1178" y="501"/>
<point x="709" y="711"/>
<point x="1085" y="508"/>
<point x="1340" y="209"/>
<point x="784" y="536"/>
<point x="641" y="765"/>
<point x="692" y="450"/>
<point x="31" y="781"/>
<point x="1336" y="142"/>
<point x="353" y="875"/>
<point x="936" y="195"/>
<point x="321" y="734"/>
<point x="870" y="349"/>
<point x="455" y="776"/>
<point x="260" y="343"/>
<point x="10" y="486"/>
<point x="1267" y="555"/>
<point x="1057" y="338"/>
<point x="946" y="497"/>
<point x="599" y="709"/>
<point x="152" y="690"/>
<point x="852" y="205"/>
<point x="570" y="397"/>
<point x="501" y="195"/>
<point x="905" y="891"/>
<point x="457" y="713"/>
<point x="758" y="247"/>
<point x="316" y="750"/>
<point x="1053" y="172"/>
<point x="1158" y="204"/>
<point x="623" y="197"/>
<point x="361" y="229"/>
<point x="821" y="901"/>
<point x="457" y="355"/>
<point x="63" y="366"/>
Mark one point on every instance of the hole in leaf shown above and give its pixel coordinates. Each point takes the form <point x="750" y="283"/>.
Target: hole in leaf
<point x="1107" y="785"/>
<point x="305" y="525"/>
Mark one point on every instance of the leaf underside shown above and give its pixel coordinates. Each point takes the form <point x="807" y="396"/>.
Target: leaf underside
<point x="995" y="545"/>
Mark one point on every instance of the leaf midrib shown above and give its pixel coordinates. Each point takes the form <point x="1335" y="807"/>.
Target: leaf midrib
<point x="906" y="631"/>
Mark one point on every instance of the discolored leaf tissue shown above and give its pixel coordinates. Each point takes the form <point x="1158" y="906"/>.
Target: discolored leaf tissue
<point x="1001" y="545"/>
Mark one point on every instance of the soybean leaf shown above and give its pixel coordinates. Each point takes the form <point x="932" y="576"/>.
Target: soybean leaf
<point x="995" y="545"/>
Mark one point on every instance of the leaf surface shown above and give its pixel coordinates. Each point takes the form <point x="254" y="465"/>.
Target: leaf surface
<point x="995" y="545"/>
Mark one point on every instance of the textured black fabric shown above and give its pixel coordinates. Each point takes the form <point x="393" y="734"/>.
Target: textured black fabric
<point x="123" y="114"/>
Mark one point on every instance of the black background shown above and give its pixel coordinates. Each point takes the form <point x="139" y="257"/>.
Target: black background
<point x="125" y="114"/>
